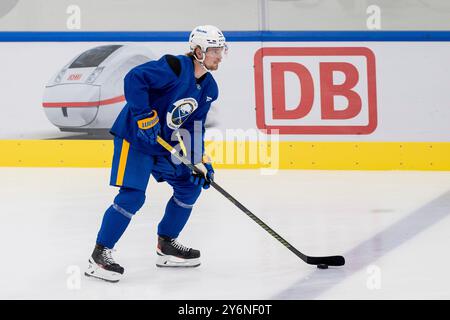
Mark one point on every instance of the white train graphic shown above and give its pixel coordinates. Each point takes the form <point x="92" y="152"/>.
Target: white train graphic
<point x="86" y="95"/>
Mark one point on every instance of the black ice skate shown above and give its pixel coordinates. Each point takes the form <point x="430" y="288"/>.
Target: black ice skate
<point x="103" y="266"/>
<point x="173" y="254"/>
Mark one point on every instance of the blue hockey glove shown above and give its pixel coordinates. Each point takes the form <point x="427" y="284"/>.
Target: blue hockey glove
<point x="148" y="126"/>
<point x="204" y="179"/>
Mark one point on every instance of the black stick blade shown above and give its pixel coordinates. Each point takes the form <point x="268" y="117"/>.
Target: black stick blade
<point x="331" y="261"/>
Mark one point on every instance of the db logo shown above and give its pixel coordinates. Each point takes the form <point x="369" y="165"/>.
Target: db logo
<point x="74" y="77"/>
<point x="316" y="90"/>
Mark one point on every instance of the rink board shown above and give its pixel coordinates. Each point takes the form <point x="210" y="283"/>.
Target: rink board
<point x="339" y="100"/>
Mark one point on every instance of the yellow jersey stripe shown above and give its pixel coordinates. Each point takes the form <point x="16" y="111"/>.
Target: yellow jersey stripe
<point x="122" y="162"/>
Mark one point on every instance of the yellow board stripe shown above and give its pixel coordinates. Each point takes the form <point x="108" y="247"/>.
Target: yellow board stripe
<point x="244" y="155"/>
<point x="331" y="155"/>
<point x="56" y="153"/>
<point x="122" y="162"/>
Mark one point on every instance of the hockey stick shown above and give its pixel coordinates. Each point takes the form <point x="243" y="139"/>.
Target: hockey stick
<point x="319" y="261"/>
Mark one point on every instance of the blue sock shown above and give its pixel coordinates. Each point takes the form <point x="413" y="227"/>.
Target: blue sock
<point x="118" y="216"/>
<point x="175" y="218"/>
<point x="113" y="226"/>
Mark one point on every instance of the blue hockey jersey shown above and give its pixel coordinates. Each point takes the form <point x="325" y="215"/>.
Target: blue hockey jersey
<point x="179" y="99"/>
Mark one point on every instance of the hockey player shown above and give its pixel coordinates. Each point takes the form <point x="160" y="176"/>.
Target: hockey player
<point x="163" y="97"/>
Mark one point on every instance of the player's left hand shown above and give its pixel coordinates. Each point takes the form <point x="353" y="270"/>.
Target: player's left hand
<point x="148" y="127"/>
<point x="207" y="175"/>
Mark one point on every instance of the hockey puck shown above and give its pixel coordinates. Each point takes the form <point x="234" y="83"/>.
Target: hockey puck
<point x="322" y="266"/>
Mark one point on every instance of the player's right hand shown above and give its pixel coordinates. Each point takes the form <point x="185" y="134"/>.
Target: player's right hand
<point x="148" y="126"/>
<point x="204" y="179"/>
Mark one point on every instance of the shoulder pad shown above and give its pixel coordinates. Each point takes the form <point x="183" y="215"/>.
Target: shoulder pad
<point x="174" y="64"/>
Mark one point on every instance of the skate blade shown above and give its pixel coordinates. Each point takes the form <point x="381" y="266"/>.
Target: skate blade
<point x="175" y="262"/>
<point x="98" y="272"/>
<point x="96" y="277"/>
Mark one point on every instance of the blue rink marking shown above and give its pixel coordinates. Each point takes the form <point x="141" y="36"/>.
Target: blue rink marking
<point x="370" y="250"/>
<point x="232" y="36"/>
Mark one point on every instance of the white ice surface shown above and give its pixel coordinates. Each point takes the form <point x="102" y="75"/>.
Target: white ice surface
<point x="392" y="227"/>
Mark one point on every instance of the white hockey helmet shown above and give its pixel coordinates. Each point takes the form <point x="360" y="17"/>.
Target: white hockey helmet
<point x="205" y="37"/>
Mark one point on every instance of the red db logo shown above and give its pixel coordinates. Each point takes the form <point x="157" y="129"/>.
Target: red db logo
<point x="74" y="77"/>
<point x="316" y="90"/>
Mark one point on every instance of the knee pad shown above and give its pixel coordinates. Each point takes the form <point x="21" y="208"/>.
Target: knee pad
<point x="187" y="197"/>
<point x="129" y="200"/>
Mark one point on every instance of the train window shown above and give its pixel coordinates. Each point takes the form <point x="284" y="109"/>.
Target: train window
<point x="93" y="57"/>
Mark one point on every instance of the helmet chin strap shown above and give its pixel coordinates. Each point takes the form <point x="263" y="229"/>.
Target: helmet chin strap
<point x="201" y="61"/>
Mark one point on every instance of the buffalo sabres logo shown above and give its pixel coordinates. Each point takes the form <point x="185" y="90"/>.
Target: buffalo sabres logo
<point x="181" y="110"/>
